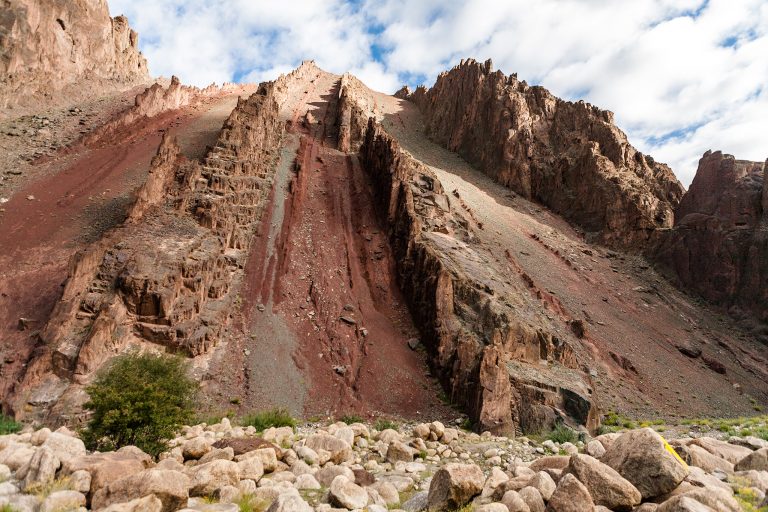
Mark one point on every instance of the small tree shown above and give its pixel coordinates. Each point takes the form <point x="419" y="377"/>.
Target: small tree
<point x="141" y="400"/>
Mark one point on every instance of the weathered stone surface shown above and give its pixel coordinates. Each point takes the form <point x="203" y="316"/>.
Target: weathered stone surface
<point x="345" y="493"/>
<point x="340" y="450"/>
<point x="570" y="156"/>
<point x="683" y="504"/>
<point x="640" y="456"/>
<point x="289" y="502"/>
<point x="149" y="503"/>
<point x="514" y="502"/>
<point x="49" y="46"/>
<point x="63" y="500"/>
<point x="107" y="467"/>
<point x="42" y="467"/>
<point x="719" y="225"/>
<point x="570" y="496"/>
<point x="454" y="485"/>
<point x="170" y="487"/>
<point x="251" y="468"/>
<point x="398" y="451"/>
<point x="206" y="478"/>
<point x="605" y="485"/>
<point x="532" y="498"/>
<point x="757" y="460"/>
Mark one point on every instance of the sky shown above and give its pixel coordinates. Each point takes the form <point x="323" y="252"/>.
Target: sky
<point x="682" y="76"/>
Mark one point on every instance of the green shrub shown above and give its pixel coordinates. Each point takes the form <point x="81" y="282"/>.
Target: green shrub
<point x="384" y="424"/>
<point x="8" y="508"/>
<point x="351" y="418"/>
<point x="272" y="418"/>
<point x="8" y="425"/>
<point x="563" y="434"/>
<point x="249" y="503"/>
<point x="141" y="400"/>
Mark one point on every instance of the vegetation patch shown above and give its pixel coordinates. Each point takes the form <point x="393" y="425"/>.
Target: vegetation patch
<point x="263" y="420"/>
<point x="8" y="425"/>
<point x="140" y="400"/>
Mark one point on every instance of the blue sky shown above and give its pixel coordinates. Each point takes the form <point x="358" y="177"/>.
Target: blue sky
<point x="682" y="76"/>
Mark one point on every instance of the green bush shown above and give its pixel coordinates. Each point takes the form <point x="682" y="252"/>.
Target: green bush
<point x="384" y="424"/>
<point x="351" y="418"/>
<point x="563" y="434"/>
<point x="8" y="425"/>
<point x="141" y="400"/>
<point x="272" y="418"/>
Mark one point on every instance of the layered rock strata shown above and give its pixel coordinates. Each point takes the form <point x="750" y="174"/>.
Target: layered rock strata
<point x="171" y="279"/>
<point x="569" y="156"/>
<point x="483" y="353"/>
<point x="718" y="247"/>
<point x="47" y="46"/>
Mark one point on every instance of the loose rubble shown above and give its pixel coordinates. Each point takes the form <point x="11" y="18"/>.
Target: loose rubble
<point x="335" y="467"/>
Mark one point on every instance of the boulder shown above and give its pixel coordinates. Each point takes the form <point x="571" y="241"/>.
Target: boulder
<point x="398" y="451"/>
<point x="730" y="452"/>
<point x="491" y="507"/>
<point x="149" y="503"/>
<point x="532" y="498"/>
<point x="206" y="478"/>
<point x="454" y="485"/>
<point x="63" y="500"/>
<point x="266" y="456"/>
<point x="242" y="445"/>
<point x="646" y="461"/>
<point x="388" y="492"/>
<point x="757" y="460"/>
<point x="340" y="450"/>
<point x="107" y="467"/>
<point x="550" y="462"/>
<point x="326" y="475"/>
<point x="170" y="487"/>
<point x="42" y="467"/>
<point x="64" y="447"/>
<point x="196" y="448"/>
<point x="306" y="481"/>
<point x="570" y="496"/>
<point x="543" y="483"/>
<point x="595" y="448"/>
<point x="515" y="503"/>
<point x="683" y="503"/>
<point x="217" y="454"/>
<point x="605" y="485"/>
<point x="697" y="456"/>
<point x="289" y="502"/>
<point x="345" y="493"/>
<point x="250" y="468"/>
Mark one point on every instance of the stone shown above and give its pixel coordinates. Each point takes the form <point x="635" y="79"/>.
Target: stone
<point x="340" y="450"/>
<point x="695" y="455"/>
<point x="543" y="483"/>
<point x="398" y="451"/>
<point x="42" y="467"/>
<point x="170" y="487"/>
<point x="453" y="485"/>
<point x="242" y="445"/>
<point x="515" y="503"/>
<point x="250" y="469"/>
<point x="327" y="474"/>
<point x="266" y="456"/>
<point x="149" y="503"/>
<point x="289" y="502"/>
<point x="570" y="496"/>
<point x="552" y="461"/>
<point x="492" y="507"/>
<point x="605" y="485"/>
<point x="108" y="467"/>
<point x="416" y="503"/>
<point x="345" y="493"/>
<point x="307" y="454"/>
<point x="641" y="457"/>
<point x="421" y="431"/>
<point x="757" y="460"/>
<point x="683" y="503"/>
<point x="532" y="498"/>
<point x="63" y="500"/>
<point x="387" y="491"/>
<point x="715" y="498"/>
<point x="595" y="448"/>
<point x="196" y="448"/>
<point x="218" y="453"/>
<point x="206" y="478"/>
<point x="306" y="481"/>
<point x="494" y="480"/>
<point x="64" y="447"/>
<point x="80" y="480"/>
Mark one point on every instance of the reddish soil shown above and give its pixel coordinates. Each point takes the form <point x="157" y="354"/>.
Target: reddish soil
<point x="322" y="255"/>
<point x="634" y="318"/>
<point x="79" y="194"/>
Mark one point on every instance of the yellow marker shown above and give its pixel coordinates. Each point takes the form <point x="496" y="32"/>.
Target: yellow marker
<point x="673" y="452"/>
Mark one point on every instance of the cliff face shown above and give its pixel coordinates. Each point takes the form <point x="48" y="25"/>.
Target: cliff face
<point x="46" y="46"/>
<point x="170" y="275"/>
<point x="718" y="247"/>
<point x="568" y="156"/>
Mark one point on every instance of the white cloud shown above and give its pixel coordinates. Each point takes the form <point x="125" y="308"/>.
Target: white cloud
<point x="682" y="76"/>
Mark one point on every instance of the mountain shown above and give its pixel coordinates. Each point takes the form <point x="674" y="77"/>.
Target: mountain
<point x="312" y="244"/>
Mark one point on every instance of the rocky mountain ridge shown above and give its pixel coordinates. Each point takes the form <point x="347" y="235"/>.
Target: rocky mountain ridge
<point x="319" y="246"/>
<point x="50" y="50"/>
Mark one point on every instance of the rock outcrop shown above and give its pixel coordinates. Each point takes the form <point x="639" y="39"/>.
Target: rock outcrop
<point x="718" y="247"/>
<point x="49" y="46"/>
<point x="470" y="333"/>
<point x="569" y="156"/>
<point x="173" y="278"/>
